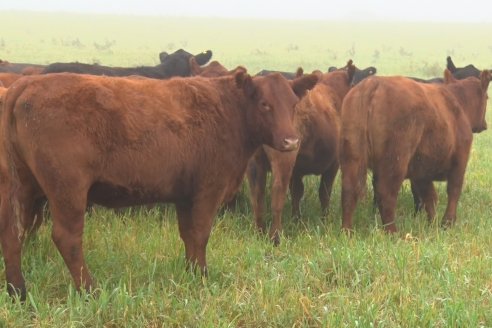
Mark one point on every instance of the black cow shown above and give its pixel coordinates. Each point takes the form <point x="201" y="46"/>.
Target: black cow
<point x="359" y="74"/>
<point x="175" y="64"/>
<point x="459" y="73"/>
<point x="462" y="72"/>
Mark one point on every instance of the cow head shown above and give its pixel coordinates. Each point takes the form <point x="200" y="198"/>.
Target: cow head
<point x="471" y="93"/>
<point x="357" y="74"/>
<point x="177" y="63"/>
<point x="461" y="72"/>
<point x="271" y="103"/>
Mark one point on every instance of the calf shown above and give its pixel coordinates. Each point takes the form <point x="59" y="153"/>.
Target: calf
<point x="123" y="142"/>
<point x="400" y="129"/>
<point x="317" y="122"/>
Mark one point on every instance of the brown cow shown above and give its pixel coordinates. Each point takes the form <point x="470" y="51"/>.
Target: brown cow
<point x="400" y="129"/>
<point x="213" y="69"/>
<point x="124" y="142"/>
<point x="8" y="78"/>
<point x="317" y="120"/>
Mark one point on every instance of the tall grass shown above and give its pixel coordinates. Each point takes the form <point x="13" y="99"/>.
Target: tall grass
<point x="317" y="277"/>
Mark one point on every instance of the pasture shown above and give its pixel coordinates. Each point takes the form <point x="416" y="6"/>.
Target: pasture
<point x="318" y="277"/>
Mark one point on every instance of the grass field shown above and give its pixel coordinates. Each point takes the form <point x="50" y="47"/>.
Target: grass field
<point x="317" y="277"/>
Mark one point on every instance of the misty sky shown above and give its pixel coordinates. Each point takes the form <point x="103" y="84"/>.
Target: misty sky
<point x="410" y="10"/>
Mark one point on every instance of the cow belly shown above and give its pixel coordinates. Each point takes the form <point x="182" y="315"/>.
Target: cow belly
<point x="435" y="169"/>
<point x="118" y="196"/>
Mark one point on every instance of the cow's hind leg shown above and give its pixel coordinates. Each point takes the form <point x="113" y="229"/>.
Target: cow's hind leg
<point x="67" y="210"/>
<point x="389" y="182"/>
<point x="326" y="186"/>
<point x="15" y="211"/>
<point x="418" y="201"/>
<point x="454" y="186"/>
<point x="427" y="197"/>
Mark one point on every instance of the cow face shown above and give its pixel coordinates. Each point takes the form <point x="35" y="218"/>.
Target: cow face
<point x="472" y="95"/>
<point x="271" y="104"/>
<point x="177" y="63"/>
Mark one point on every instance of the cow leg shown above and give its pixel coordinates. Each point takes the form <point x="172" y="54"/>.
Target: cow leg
<point x="282" y="166"/>
<point x="195" y="224"/>
<point x="454" y="185"/>
<point x="183" y="211"/>
<point x="427" y="197"/>
<point x="418" y="201"/>
<point x="257" y="185"/>
<point x="296" y="192"/>
<point x="325" y="187"/>
<point x="36" y="218"/>
<point x="387" y="188"/>
<point x="351" y="191"/>
<point x="375" y="200"/>
<point x="68" y="211"/>
<point x="11" y="239"/>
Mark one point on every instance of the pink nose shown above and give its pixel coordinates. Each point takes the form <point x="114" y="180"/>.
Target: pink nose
<point x="291" y="143"/>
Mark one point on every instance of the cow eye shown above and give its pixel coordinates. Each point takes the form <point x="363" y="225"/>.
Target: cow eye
<point x="265" y="106"/>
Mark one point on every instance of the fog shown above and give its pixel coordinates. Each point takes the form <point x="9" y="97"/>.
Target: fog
<point x="472" y="11"/>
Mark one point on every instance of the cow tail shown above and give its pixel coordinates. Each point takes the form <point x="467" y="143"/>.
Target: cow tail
<point x="9" y="158"/>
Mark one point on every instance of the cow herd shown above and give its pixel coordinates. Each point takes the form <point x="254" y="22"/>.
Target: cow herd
<point x="188" y="133"/>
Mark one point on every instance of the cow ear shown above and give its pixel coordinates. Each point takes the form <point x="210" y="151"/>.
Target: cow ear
<point x="302" y="84"/>
<point x="204" y="57"/>
<point x="194" y="67"/>
<point x="239" y="69"/>
<point x="162" y="56"/>
<point x="245" y="82"/>
<point x="332" y="69"/>
<point x="485" y="77"/>
<point x="448" y="77"/>
<point x="299" y="72"/>
<point x="450" y="64"/>
<point x="350" y="71"/>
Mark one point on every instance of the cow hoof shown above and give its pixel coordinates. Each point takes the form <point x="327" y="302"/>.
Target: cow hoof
<point x="17" y="293"/>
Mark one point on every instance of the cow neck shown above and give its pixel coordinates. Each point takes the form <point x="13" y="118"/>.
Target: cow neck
<point x="339" y="87"/>
<point x="236" y="107"/>
<point x="458" y="90"/>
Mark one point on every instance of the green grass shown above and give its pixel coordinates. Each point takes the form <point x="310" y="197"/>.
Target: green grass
<point x="317" y="277"/>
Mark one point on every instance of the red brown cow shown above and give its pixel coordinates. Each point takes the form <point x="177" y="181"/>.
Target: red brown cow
<point x="213" y="69"/>
<point x="317" y="121"/>
<point x="8" y="78"/>
<point x="400" y="129"/>
<point x="124" y="142"/>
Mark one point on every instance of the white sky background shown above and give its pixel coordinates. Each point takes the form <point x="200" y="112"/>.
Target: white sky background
<point x="474" y="11"/>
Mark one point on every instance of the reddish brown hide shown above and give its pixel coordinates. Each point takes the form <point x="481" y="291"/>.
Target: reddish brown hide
<point x="317" y="121"/>
<point x="402" y="129"/>
<point x="8" y="78"/>
<point x="124" y="142"/>
<point x="213" y="69"/>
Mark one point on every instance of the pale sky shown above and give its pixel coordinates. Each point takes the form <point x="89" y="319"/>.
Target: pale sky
<point x="407" y="10"/>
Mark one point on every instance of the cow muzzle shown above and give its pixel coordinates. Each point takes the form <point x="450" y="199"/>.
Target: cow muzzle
<point x="290" y="144"/>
